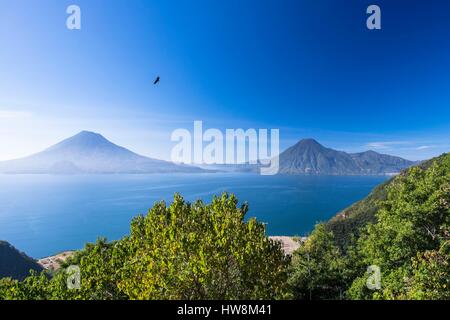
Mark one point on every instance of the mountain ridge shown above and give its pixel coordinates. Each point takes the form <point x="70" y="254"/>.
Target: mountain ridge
<point x="89" y="152"/>
<point x="309" y="157"/>
<point x="15" y="264"/>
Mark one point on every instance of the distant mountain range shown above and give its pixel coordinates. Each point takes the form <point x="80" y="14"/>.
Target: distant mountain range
<point x="15" y="264"/>
<point x="308" y="157"/>
<point x="89" y="152"/>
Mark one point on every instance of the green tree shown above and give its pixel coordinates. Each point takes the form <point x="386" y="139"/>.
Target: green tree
<point x="407" y="236"/>
<point x="411" y="223"/>
<point x="319" y="271"/>
<point x="431" y="275"/>
<point x="199" y="251"/>
<point x="34" y="287"/>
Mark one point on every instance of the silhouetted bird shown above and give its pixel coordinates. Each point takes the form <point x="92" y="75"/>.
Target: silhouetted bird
<point x="157" y="80"/>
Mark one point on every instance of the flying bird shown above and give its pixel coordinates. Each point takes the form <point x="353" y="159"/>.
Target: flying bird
<point x="157" y="80"/>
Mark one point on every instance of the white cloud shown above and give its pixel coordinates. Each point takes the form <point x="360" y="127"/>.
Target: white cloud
<point x="377" y="145"/>
<point x="423" y="147"/>
<point x="386" y="144"/>
<point x="10" y="114"/>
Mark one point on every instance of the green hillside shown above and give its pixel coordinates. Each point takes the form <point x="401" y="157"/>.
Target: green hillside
<point x="15" y="264"/>
<point x="348" y="223"/>
<point x="402" y="227"/>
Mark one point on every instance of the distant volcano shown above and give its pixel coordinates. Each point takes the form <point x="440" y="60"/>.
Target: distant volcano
<point x="309" y="157"/>
<point x="89" y="152"/>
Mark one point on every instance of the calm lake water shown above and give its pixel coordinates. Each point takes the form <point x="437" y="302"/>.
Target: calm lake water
<point x="43" y="215"/>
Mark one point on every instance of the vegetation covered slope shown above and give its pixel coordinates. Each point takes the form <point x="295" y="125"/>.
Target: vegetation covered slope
<point x="348" y="224"/>
<point x="403" y="228"/>
<point x="15" y="264"/>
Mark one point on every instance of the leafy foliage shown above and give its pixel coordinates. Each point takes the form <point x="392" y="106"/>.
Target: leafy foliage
<point x="318" y="268"/>
<point x="403" y="227"/>
<point x="430" y="276"/>
<point x="180" y="251"/>
<point x="412" y="226"/>
<point x="348" y="224"/>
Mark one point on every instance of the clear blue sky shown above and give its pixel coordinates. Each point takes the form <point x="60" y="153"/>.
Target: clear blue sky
<point x="308" y="67"/>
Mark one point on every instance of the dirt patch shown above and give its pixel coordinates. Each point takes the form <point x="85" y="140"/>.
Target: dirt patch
<point x="289" y="243"/>
<point x="53" y="263"/>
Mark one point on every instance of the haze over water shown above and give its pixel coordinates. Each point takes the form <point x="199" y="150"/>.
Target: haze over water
<point x="45" y="214"/>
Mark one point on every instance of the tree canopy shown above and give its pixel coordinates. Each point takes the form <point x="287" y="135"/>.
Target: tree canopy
<point x="406" y="233"/>
<point x="176" y="251"/>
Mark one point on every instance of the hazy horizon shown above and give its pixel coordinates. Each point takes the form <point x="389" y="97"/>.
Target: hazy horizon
<point x="205" y="143"/>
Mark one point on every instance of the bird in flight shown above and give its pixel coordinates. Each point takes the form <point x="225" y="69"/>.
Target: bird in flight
<point x="157" y="80"/>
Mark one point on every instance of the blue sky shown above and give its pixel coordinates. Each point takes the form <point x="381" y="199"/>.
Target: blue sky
<point x="310" y="68"/>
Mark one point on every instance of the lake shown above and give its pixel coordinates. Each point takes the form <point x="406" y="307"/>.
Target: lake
<point x="45" y="214"/>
